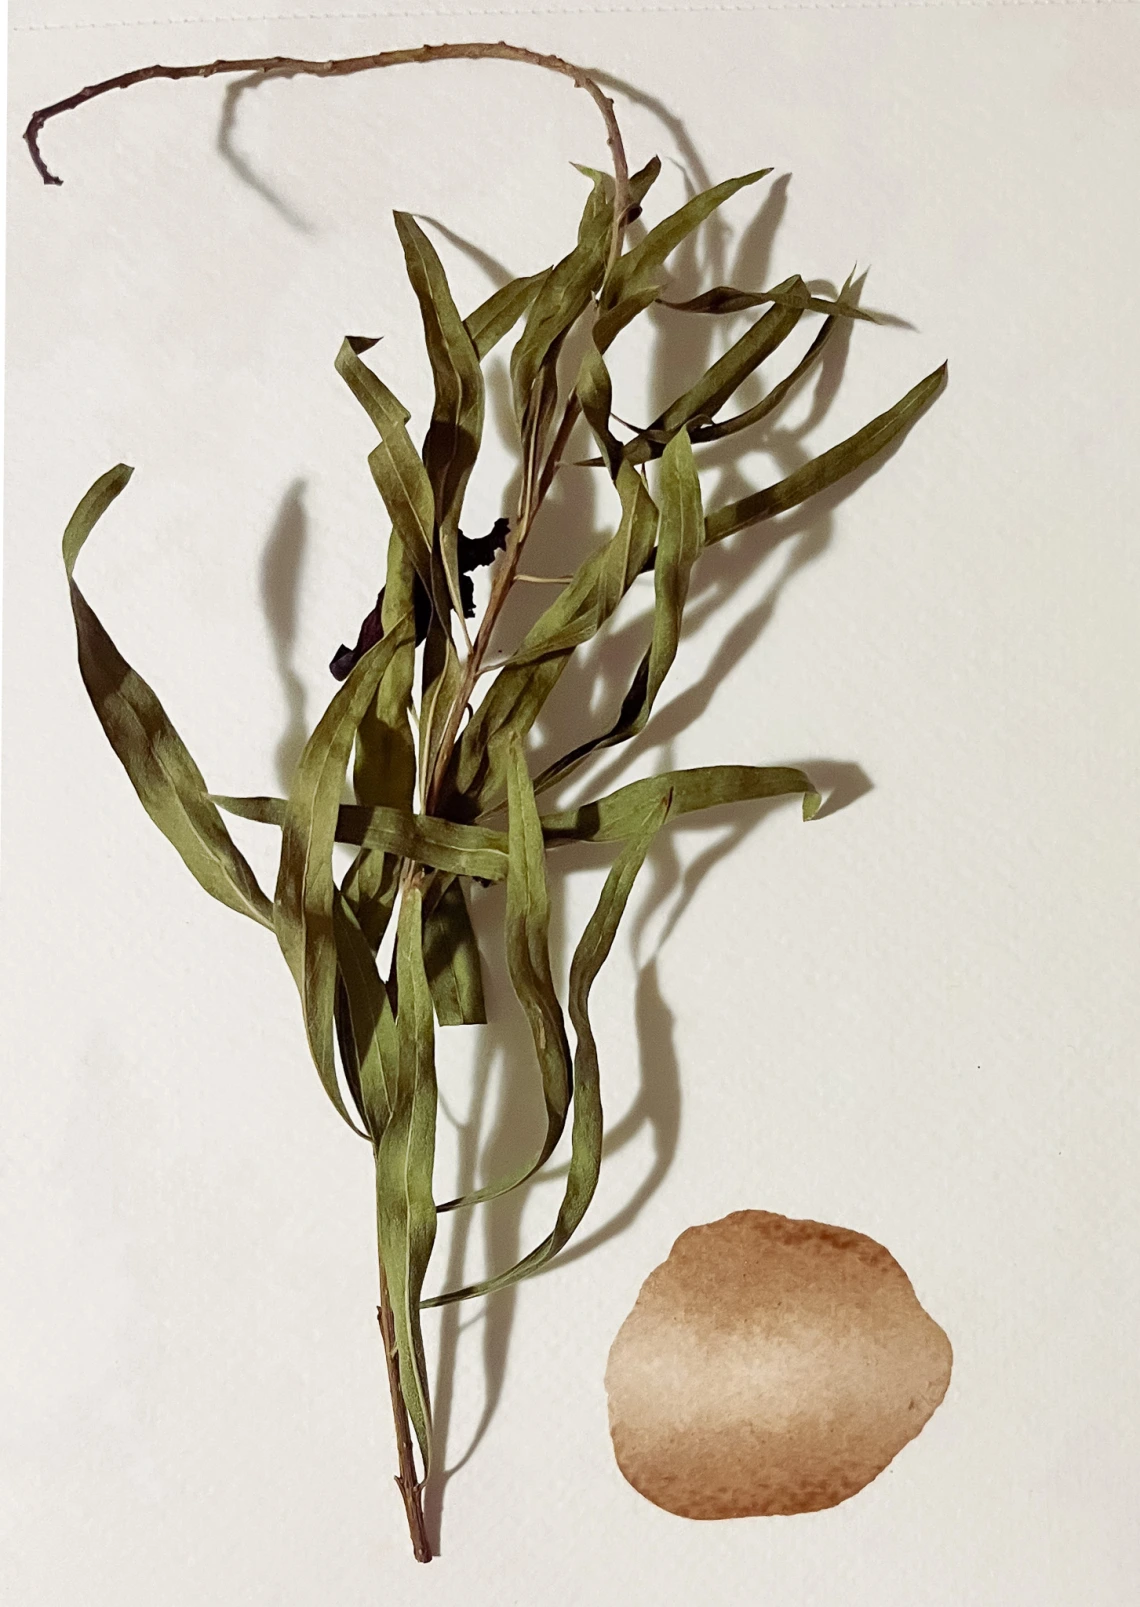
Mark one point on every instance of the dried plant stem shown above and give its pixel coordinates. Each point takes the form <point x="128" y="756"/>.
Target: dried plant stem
<point x="534" y="494"/>
<point x="407" y="1481"/>
<point x="343" y="67"/>
<point x="500" y="587"/>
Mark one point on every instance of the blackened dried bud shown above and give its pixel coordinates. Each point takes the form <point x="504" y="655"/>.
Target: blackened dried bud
<point x="469" y="555"/>
<point x="475" y="554"/>
<point x="421" y="610"/>
<point x="345" y="658"/>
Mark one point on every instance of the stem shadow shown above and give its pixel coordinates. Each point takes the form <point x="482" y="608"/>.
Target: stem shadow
<point x="240" y="165"/>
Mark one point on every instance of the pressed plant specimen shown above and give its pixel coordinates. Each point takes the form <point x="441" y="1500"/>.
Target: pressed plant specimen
<point x="445" y="800"/>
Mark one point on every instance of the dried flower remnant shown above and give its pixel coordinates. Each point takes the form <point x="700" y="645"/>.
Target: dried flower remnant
<point x="444" y="798"/>
<point x="770" y="1366"/>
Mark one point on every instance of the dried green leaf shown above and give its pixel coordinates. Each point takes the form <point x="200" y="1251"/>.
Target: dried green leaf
<point x="303" y="906"/>
<point x="451" y="956"/>
<point x="396" y="466"/>
<point x="445" y="845"/>
<point x="638" y="267"/>
<point x="384" y="409"/>
<point x="587" y="1126"/>
<point x="442" y="674"/>
<point x="479" y="852"/>
<point x="527" y="926"/>
<point x="618" y="816"/>
<point x="561" y="300"/>
<point x="405" y="1155"/>
<point x="168" y="782"/>
<point x="375" y="1051"/>
<point x="528" y="952"/>
<point x="775" y="397"/>
<point x="501" y="311"/>
<point x="829" y="467"/>
<point x="384" y="761"/>
<point x="704" y="399"/>
<point x="650" y="443"/>
<point x="477" y="775"/>
<point x="594" y="387"/>
<point x="630" y="287"/>
<point x="724" y="299"/>
<point x="680" y="535"/>
<point x="456" y="429"/>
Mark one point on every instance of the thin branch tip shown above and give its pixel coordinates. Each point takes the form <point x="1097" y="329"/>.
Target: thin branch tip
<point x="341" y="67"/>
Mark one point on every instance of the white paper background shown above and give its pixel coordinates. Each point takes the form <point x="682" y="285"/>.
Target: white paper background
<point x="916" y="1018"/>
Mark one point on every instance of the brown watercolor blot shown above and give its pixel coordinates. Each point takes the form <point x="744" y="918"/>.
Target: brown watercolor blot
<point x="770" y="1366"/>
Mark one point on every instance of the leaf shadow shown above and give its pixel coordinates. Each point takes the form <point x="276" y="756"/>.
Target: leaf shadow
<point x="282" y="561"/>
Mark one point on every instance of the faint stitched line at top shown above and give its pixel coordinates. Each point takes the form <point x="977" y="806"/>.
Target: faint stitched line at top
<point x="568" y="11"/>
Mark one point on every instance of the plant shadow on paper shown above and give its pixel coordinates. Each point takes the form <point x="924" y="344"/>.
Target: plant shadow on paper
<point x="500" y="1126"/>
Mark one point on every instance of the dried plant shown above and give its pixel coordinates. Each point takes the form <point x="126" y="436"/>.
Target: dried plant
<point x="432" y="766"/>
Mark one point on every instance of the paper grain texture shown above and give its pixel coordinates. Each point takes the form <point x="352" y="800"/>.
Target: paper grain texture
<point x="770" y="1367"/>
<point x="916" y="1017"/>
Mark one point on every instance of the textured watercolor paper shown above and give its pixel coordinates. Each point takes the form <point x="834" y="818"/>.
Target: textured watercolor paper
<point x="770" y="1368"/>
<point x="915" y="1017"/>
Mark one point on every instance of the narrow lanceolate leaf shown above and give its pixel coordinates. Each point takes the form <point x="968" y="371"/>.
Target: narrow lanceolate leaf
<point x="587" y="1126"/>
<point x="680" y="537"/>
<point x="630" y="287"/>
<point x="501" y="311"/>
<point x="479" y="852"/>
<point x="427" y="840"/>
<point x="528" y="946"/>
<point x="640" y="265"/>
<point x="396" y="466"/>
<point x="303" y="906"/>
<point x="405" y="1154"/>
<point x="652" y="442"/>
<point x="366" y="385"/>
<point x="477" y="775"/>
<point x="456" y="429"/>
<point x="528" y="963"/>
<point x="384" y="758"/>
<point x="451" y="957"/>
<point x="369" y="1018"/>
<point x="441" y="676"/>
<point x="562" y="298"/>
<point x="829" y="467"/>
<point x="697" y="406"/>
<point x="169" y="784"/>
<point x="618" y="816"/>
<point x="594" y="387"/>
<point x="775" y="397"/>
<point x="705" y="399"/>
<point x="724" y="299"/>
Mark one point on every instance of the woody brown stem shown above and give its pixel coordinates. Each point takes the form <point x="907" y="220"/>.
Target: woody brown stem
<point x="407" y="1481"/>
<point x="343" y="67"/>
<point x="537" y="486"/>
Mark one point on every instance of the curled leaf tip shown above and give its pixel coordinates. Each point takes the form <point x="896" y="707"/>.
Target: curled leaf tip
<point x="813" y="803"/>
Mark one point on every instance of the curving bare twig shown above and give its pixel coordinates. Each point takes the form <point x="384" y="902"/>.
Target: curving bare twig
<point x="289" y="66"/>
